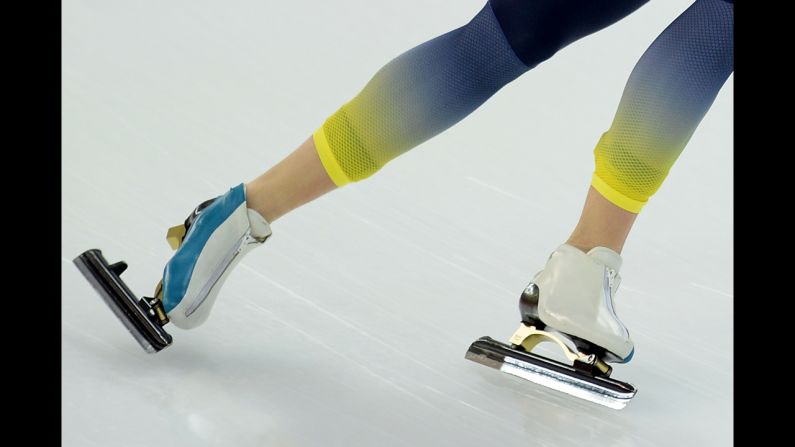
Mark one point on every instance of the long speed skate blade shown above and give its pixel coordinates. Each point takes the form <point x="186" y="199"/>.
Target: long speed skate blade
<point x="136" y="315"/>
<point x="550" y="373"/>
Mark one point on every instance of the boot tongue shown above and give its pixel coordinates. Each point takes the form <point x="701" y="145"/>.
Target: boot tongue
<point x="607" y="257"/>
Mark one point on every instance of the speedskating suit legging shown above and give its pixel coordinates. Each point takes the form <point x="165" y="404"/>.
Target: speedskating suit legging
<point x="432" y="86"/>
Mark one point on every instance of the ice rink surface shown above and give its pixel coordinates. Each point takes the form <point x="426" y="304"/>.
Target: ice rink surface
<point x="349" y="327"/>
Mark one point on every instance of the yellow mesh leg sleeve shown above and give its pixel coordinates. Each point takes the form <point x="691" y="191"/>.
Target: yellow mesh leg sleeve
<point x="668" y="93"/>
<point x="333" y="169"/>
<point x="416" y="96"/>
<point x="343" y="154"/>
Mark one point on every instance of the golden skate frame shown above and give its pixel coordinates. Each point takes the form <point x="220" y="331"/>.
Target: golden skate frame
<point x="528" y="337"/>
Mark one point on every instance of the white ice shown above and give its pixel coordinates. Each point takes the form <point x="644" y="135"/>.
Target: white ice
<point x="349" y="327"/>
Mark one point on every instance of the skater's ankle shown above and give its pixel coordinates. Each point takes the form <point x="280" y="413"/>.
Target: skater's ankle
<point x="583" y="247"/>
<point x="255" y="201"/>
<point x="294" y="181"/>
<point x="602" y="224"/>
<point x="587" y="246"/>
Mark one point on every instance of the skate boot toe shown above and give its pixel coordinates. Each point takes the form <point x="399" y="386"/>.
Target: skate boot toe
<point x="629" y="357"/>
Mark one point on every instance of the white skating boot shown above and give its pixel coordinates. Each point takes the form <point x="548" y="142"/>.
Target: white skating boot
<point x="213" y="239"/>
<point x="210" y="242"/>
<point x="574" y="294"/>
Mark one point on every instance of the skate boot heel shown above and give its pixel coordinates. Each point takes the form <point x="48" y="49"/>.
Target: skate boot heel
<point x="528" y="306"/>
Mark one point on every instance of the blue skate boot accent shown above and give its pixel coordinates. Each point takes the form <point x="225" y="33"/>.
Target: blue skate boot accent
<point x="216" y="237"/>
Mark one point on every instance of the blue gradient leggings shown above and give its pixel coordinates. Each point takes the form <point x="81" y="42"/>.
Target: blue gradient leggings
<point x="429" y="88"/>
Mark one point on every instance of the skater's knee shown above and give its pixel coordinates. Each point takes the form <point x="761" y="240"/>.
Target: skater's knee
<point x="537" y="29"/>
<point x="533" y="28"/>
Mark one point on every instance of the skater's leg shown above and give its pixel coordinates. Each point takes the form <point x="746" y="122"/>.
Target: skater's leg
<point x="668" y="93"/>
<point x="431" y="87"/>
<point x="425" y="91"/>
<point x="601" y="224"/>
<point x="670" y="90"/>
<point x="294" y="181"/>
<point x="417" y="95"/>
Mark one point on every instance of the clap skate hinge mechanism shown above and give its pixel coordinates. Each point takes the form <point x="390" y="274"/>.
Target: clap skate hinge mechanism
<point x="584" y="355"/>
<point x="528" y="337"/>
<point x="152" y="306"/>
<point x="143" y="317"/>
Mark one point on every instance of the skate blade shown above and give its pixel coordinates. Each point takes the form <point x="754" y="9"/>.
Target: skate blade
<point x="550" y="373"/>
<point x="135" y="315"/>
